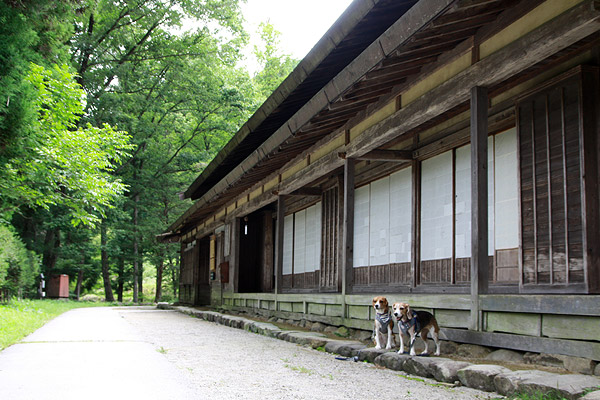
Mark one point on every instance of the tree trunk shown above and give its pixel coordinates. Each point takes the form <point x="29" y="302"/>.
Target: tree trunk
<point x="108" y="293"/>
<point x="159" y="275"/>
<point x="141" y="276"/>
<point x="121" y="279"/>
<point x="51" y="245"/>
<point x="79" y="282"/>
<point x="135" y="249"/>
<point x="175" y="276"/>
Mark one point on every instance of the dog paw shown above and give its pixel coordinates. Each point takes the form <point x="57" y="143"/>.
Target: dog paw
<point x="378" y="347"/>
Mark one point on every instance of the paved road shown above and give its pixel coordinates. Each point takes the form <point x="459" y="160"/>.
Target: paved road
<point x="145" y="353"/>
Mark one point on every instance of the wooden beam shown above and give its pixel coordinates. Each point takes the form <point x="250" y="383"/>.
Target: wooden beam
<point x="387" y="155"/>
<point x="307" y="191"/>
<point x="578" y="348"/>
<point x="348" y="232"/>
<point x="479" y="202"/>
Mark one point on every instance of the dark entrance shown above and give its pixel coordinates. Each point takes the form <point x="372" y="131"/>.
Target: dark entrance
<point x="256" y="252"/>
<point x="202" y="279"/>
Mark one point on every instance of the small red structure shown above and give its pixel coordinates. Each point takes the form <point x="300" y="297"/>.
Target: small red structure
<point x="58" y="286"/>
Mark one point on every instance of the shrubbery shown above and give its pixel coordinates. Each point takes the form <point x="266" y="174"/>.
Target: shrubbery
<point x="19" y="267"/>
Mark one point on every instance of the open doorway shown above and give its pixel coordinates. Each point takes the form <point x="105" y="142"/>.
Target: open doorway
<point x="257" y="252"/>
<point x="203" y="271"/>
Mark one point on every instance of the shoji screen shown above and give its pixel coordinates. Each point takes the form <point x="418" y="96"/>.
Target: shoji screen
<point x="379" y="222"/>
<point x="436" y="207"/>
<point x="361" y="226"/>
<point x="401" y="216"/>
<point x="288" y="244"/>
<point x="312" y="256"/>
<point x="302" y="247"/>
<point x="383" y="230"/>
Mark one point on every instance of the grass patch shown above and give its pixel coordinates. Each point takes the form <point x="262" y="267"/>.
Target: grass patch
<point x="302" y="370"/>
<point x="19" y="318"/>
<point x="438" y="384"/>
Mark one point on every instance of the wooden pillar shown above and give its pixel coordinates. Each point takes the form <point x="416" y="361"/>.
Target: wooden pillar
<point x="590" y="147"/>
<point x="479" y="202"/>
<point x="279" y="248"/>
<point x="267" y="283"/>
<point x="416" y="224"/>
<point x="338" y="234"/>
<point x="234" y="256"/>
<point x="348" y="232"/>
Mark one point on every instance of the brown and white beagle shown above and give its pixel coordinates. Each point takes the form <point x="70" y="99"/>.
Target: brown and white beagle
<point x="413" y="323"/>
<point x="384" y="322"/>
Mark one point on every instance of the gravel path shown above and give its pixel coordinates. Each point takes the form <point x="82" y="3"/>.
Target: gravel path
<point x="225" y="363"/>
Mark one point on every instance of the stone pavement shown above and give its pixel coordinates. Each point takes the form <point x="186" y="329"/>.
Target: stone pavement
<point x="490" y="378"/>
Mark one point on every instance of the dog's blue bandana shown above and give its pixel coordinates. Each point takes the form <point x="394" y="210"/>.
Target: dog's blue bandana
<point x="406" y="325"/>
<point x="384" y="320"/>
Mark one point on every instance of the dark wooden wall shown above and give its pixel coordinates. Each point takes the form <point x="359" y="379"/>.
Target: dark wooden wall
<point x="189" y="253"/>
<point x="553" y="200"/>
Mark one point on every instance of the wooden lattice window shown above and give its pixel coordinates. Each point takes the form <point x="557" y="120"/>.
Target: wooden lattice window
<point x="330" y="239"/>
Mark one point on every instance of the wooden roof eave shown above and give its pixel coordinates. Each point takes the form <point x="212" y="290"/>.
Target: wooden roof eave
<point x="339" y="30"/>
<point x="568" y="28"/>
<point x="399" y="33"/>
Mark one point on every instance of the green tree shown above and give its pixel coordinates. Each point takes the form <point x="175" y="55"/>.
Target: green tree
<point x="52" y="167"/>
<point x="63" y="164"/>
<point x="177" y="92"/>
<point x="167" y="73"/>
<point x="31" y="31"/>
<point x="275" y="66"/>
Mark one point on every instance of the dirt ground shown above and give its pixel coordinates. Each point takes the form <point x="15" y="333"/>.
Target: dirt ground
<point x="224" y="363"/>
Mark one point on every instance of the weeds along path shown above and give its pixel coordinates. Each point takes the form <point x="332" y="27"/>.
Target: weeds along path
<point x="225" y="363"/>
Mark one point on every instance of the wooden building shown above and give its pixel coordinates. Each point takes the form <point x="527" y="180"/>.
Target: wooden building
<point x="443" y="153"/>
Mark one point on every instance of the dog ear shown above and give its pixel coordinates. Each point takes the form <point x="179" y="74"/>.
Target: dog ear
<point x="409" y="313"/>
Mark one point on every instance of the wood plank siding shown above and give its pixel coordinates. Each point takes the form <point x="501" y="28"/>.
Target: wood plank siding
<point x="552" y="175"/>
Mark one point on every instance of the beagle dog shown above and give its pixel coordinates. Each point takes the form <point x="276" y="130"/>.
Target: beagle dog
<point x="414" y="323"/>
<point x="384" y="323"/>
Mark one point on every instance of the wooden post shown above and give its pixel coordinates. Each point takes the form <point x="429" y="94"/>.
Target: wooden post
<point x="338" y="233"/>
<point x="348" y="232"/>
<point x="590" y="196"/>
<point x="479" y="202"/>
<point x="234" y="256"/>
<point x="416" y="223"/>
<point x="279" y="248"/>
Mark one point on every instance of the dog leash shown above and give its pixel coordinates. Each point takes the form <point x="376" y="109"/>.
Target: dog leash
<point x="354" y="358"/>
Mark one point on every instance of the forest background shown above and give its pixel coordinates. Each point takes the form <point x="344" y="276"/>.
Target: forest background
<point x="108" y="110"/>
